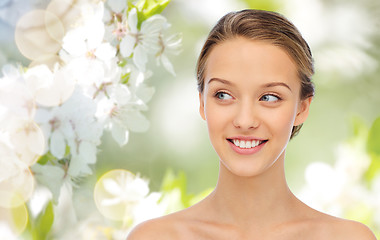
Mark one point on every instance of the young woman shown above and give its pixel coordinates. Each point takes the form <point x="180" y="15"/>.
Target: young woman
<point x="254" y="80"/>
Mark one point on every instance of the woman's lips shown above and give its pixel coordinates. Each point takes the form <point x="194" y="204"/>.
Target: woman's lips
<point x="246" y="146"/>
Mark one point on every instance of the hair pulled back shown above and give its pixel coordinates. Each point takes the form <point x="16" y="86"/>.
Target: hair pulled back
<point x="269" y="27"/>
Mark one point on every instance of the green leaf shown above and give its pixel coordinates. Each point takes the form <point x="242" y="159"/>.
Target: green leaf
<point x="176" y="183"/>
<point x="46" y="158"/>
<point x="200" y="196"/>
<point x="171" y="181"/>
<point x="373" y="149"/>
<point x="50" y="176"/>
<point x="122" y="63"/>
<point x="45" y="221"/>
<point x="269" y="5"/>
<point x="125" y="78"/>
<point x="359" y="128"/>
<point x="156" y="8"/>
<point x="140" y="4"/>
<point x="373" y="142"/>
<point x="147" y="8"/>
<point x="374" y="168"/>
<point x="131" y="5"/>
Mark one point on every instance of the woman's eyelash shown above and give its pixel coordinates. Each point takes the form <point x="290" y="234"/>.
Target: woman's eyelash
<point x="221" y="94"/>
<point x="268" y="95"/>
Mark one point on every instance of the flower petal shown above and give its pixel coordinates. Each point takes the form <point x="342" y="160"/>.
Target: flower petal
<point x="50" y="176"/>
<point x="121" y="94"/>
<point x="137" y="122"/>
<point x="95" y="32"/>
<point x="140" y="58"/>
<point x="110" y="201"/>
<point x="153" y="25"/>
<point x="105" y="52"/>
<point x="167" y="64"/>
<point x="57" y="144"/>
<point x="80" y="161"/>
<point x="74" y="43"/>
<point x="117" y="6"/>
<point x="120" y="134"/>
<point x="112" y="187"/>
<point x="144" y="92"/>
<point x="126" y="45"/>
<point x="132" y="20"/>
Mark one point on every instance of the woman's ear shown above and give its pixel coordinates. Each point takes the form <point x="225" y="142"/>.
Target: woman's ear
<point x="202" y="106"/>
<point x="303" y="111"/>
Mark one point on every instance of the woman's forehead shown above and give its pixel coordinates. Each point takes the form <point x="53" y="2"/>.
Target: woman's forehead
<point x="243" y="58"/>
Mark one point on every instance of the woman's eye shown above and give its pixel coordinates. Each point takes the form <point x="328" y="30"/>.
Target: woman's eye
<point x="223" y="96"/>
<point x="269" y="98"/>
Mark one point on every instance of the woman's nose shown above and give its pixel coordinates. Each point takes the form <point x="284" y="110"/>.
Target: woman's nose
<point x="246" y="117"/>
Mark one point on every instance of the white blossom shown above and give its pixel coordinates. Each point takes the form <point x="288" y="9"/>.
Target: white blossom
<point x="59" y="112"/>
<point x="21" y="140"/>
<point x="169" y="45"/>
<point x="336" y="188"/>
<point x="120" y="109"/>
<point x="85" y="52"/>
<point x="6" y="231"/>
<point x="73" y="124"/>
<point x="117" y="6"/>
<point x="50" y="88"/>
<point x="50" y="176"/>
<point x="148" y="208"/>
<point x="144" y="41"/>
<point x="125" y="189"/>
<point x="16" y="99"/>
<point x="40" y="198"/>
<point x="123" y="196"/>
<point x="65" y="217"/>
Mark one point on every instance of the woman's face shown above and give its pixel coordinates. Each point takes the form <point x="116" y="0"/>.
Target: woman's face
<point x="251" y="103"/>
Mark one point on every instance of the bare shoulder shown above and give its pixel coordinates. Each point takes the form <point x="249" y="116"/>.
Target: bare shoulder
<point x="184" y="225"/>
<point x="347" y="229"/>
<point x="159" y="228"/>
<point x="338" y="228"/>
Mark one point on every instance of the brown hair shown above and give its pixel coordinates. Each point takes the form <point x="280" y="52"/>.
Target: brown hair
<point x="265" y="26"/>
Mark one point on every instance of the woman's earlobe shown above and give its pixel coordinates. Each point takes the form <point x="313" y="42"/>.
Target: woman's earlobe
<point x="202" y="106"/>
<point x="303" y="111"/>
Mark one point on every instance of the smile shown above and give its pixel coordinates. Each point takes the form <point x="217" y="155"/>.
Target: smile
<point x="246" y="146"/>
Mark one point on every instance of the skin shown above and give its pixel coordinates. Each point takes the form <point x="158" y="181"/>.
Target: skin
<point x="251" y="90"/>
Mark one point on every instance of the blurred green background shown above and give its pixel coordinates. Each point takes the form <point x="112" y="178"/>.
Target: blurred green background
<point x="345" y="39"/>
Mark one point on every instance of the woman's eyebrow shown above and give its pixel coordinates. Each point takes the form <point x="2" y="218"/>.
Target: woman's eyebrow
<point x="220" y="80"/>
<point x="274" y="84"/>
<point x="266" y="85"/>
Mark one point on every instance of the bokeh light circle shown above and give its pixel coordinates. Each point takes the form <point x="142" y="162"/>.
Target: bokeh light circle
<point x="29" y="142"/>
<point x="38" y="34"/>
<point x="117" y="203"/>
<point x="18" y="100"/>
<point x="15" y="218"/>
<point x="16" y="189"/>
<point x="59" y="91"/>
<point x="66" y="11"/>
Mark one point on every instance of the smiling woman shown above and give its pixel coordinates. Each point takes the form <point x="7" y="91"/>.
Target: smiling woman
<point x="254" y="80"/>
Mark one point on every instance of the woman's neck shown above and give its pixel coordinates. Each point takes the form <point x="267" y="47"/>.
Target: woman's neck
<point x="262" y="199"/>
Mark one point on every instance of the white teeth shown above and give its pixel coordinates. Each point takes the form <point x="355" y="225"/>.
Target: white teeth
<point x="246" y="144"/>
